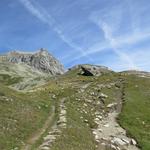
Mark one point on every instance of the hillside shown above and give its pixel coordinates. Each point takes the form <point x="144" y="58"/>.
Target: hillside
<point x="87" y="108"/>
<point x="32" y="69"/>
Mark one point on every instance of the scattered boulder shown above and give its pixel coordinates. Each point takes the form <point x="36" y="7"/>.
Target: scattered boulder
<point x="102" y="95"/>
<point x="106" y="125"/>
<point x="86" y="121"/>
<point x="111" y="105"/>
<point x="133" y="142"/>
<point x="118" y="141"/>
<point x="113" y="147"/>
<point x="126" y="141"/>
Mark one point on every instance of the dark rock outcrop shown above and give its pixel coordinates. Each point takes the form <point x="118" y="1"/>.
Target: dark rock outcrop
<point x="91" y="70"/>
<point x="86" y="72"/>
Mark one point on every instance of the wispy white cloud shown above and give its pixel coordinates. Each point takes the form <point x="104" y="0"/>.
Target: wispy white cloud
<point x="132" y="38"/>
<point x="95" y="48"/>
<point x="112" y="22"/>
<point x="39" y="12"/>
<point x="113" y="42"/>
<point x="138" y="11"/>
<point x="141" y="58"/>
<point x="119" y="42"/>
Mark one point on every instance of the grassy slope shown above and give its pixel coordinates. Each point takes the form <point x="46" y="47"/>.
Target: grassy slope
<point x="20" y="114"/>
<point x="27" y="112"/>
<point x="78" y="135"/>
<point x="9" y="80"/>
<point x="26" y="76"/>
<point x="135" y="116"/>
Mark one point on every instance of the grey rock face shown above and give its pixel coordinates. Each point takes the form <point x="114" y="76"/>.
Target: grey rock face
<point x="92" y="70"/>
<point x="40" y="60"/>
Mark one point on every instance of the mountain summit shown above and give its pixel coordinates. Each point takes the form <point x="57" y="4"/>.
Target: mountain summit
<point x="41" y="60"/>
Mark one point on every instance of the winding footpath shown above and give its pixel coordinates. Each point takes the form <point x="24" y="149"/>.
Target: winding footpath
<point x="53" y="133"/>
<point x="56" y="129"/>
<point x="35" y="137"/>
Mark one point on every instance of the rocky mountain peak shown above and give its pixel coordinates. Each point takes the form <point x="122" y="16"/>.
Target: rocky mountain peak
<point x="43" y="52"/>
<point x="41" y="60"/>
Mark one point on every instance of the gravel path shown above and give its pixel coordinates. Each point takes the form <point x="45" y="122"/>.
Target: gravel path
<point x="109" y="134"/>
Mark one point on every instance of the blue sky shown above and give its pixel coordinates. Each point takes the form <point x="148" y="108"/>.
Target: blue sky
<point x="113" y="33"/>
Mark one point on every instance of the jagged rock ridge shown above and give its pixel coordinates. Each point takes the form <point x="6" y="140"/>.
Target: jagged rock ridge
<point x="40" y="60"/>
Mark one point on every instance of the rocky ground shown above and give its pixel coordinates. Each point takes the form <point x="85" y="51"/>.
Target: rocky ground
<point x="109" y="134"/>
